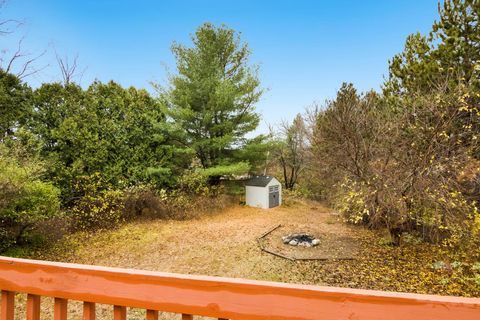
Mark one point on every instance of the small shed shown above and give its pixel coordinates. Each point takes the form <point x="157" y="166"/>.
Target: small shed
<point x="263" y="192"/>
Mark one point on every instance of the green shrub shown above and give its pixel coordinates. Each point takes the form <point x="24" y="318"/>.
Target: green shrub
<point x="192" y="197"/>
<point x="226" y="170"/>
<point x="25" y="200"/>
<point x="98" y="205"/>
<point x="196" y="182"/>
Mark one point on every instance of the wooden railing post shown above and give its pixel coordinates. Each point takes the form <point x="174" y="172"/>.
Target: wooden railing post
<point x="89" y="311"/>
<point x="33" y="307"/>
<point x="60" y="309"/>
<point x="8" y="305"/>
<point x="152" y="315"/>
<point x="187" y="317"/>
<point x="119" y="313"/>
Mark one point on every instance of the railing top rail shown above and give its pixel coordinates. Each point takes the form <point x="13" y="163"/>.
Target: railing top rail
<point x="223" y="297"/>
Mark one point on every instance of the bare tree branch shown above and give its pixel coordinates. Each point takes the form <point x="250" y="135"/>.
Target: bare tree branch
<point x="26" y="68"/>
<point x="69" y="69"/>
<point x="24" y="60"/>
<point x="9" y="25"/>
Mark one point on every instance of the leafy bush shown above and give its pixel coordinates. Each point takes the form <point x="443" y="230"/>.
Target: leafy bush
<point x="193" y="195"/>
<point x="103" y="210"/>
<point x="353" y="202"/>
<point x="196" y="182"/>
<point x="191" y="198"/>
<point x="14" y="103"/>
<point x="25" y="200"/>
<point x="98" y="205"/>
<point x="144" y="201"/>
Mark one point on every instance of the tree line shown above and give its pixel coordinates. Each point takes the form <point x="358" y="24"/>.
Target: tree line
<point x="405" y="158"/>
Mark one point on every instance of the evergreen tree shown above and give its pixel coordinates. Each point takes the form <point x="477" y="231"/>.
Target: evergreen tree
<point x="212" y="98"/>
<point x="449" y="54"/>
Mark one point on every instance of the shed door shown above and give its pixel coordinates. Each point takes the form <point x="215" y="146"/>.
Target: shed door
<point x="273" y="196"/>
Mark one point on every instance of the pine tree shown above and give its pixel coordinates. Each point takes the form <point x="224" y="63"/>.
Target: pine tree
<point x="213" y="96"/>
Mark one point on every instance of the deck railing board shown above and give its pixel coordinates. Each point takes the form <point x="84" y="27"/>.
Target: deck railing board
<point x="89" y="310"/>
<point x="221" y="298"/>
<point x="152" y="315"/>
<point x="33" y="307"/>
<point x="119" y="313"/>
<point x="7" y="305"/>
<point x="60" y="309"/>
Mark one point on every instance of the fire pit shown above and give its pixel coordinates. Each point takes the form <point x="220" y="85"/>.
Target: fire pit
<point x="301" y="239"/>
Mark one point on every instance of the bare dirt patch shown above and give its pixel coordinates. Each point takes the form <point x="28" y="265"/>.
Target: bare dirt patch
<point x="333" y="245"/>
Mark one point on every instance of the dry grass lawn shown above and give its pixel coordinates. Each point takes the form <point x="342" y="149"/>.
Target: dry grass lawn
<point x="222" y="244"/>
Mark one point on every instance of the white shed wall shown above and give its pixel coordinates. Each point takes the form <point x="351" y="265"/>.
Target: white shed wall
<point x="256" y="196"/>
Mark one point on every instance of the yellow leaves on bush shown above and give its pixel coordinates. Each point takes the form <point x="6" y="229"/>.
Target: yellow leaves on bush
<point x="102" y="210"/>
<point x="351" y="201"/>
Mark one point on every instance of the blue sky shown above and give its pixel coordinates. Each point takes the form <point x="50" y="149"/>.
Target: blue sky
<point x="305" y="49"/>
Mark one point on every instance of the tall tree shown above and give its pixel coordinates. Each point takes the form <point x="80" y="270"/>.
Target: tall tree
<point x="212" y="98"/>
<point x="293" y="150"/>
<point x="449" y="54"/>
<point x="457" y="33"/>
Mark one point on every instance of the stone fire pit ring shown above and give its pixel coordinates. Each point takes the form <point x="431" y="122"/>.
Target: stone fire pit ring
<point x="301" y="239"/>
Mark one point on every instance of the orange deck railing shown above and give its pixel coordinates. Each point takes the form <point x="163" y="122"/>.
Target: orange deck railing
<point x="209" y="296"/>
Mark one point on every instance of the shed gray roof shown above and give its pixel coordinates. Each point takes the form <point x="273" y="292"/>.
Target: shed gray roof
<point x="258" y="181"/>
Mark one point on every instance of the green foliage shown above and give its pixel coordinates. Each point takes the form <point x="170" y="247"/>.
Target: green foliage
<point x="119" y="132"/>
<point x="100" y="143"/>
<point x="449" y="54"/>
<point x="25" y="200"/>
<point x="193" y="182"/>
<point x="103" y="207"/>
<point x="15" y="106"/>
<point x="100" y="211"/>
<point x="457" y="34"/>
<point x="159" y="176"/>
<point x="213" y="95"/>
<point x="238" y="168"/>
<point x="256" y="152"/>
